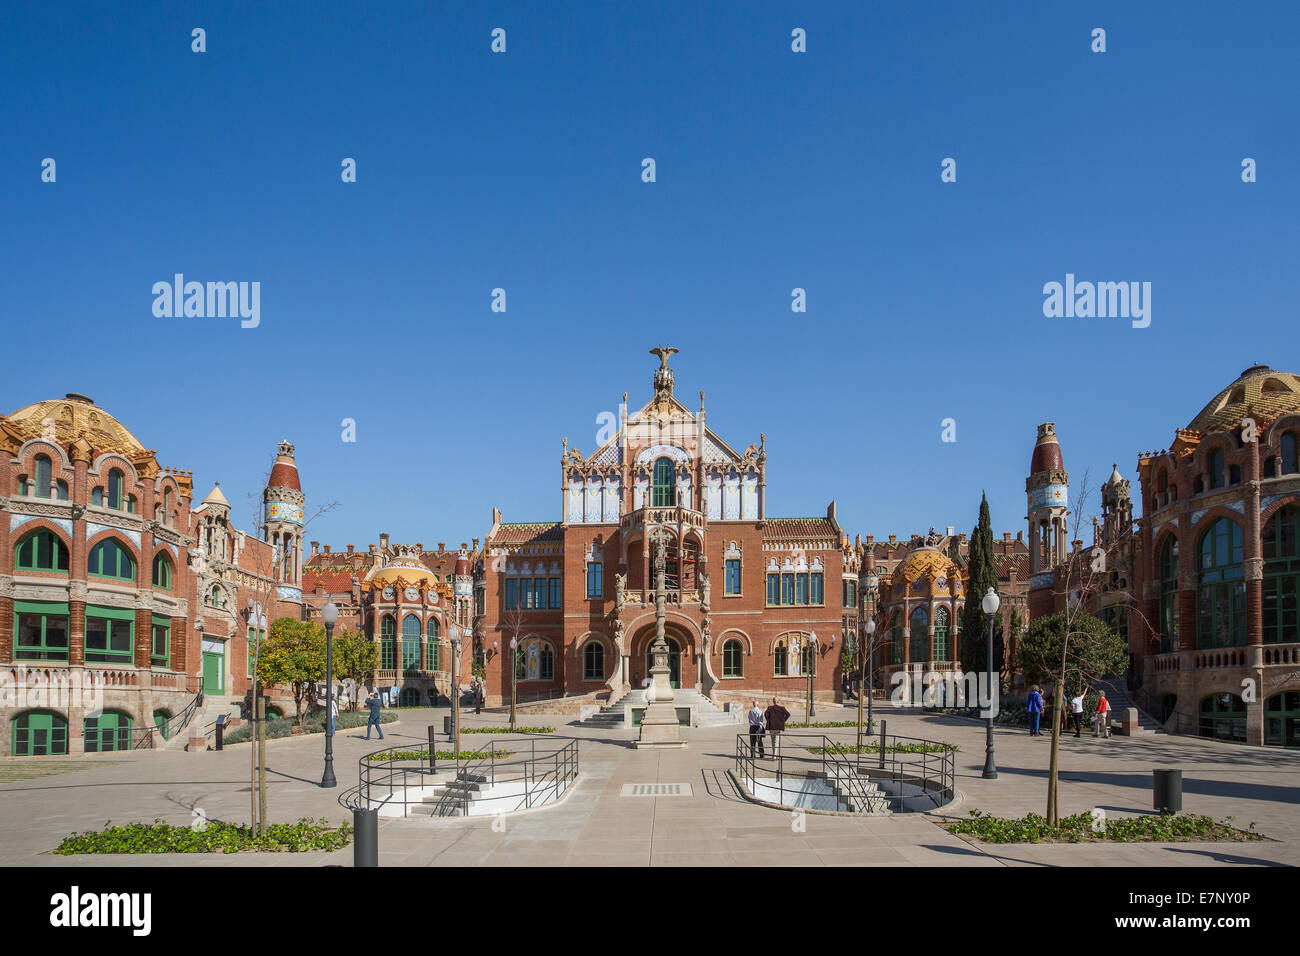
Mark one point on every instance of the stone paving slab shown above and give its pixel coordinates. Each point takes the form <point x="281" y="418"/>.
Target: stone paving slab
<point x="714" y="826"/>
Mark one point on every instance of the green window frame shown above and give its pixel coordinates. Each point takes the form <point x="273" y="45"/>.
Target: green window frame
<point x="780" y="660"/>
<point x="801" y="588"/>
<point x="39" y="733"/>
<point x="773" y="589"/>
<point x="942" y="651"/>
<point x="1281" y="591"/>
<point x="110" y="635"/>
<point x="850" y="589"/>
<point x="732" y="568"/>
<point x="115" y="489"/>
<point x="42" y="550"/>
<point x="432" y="633"/>
<point x="1222" y="719"/>
<point x="162" y="572"/>
<point x="556" y="594"/>
<point x="787" y="589"/>
<point x="111" y="559"/>
<point x="1221" y="595"/>
<point x="664" y="493"/>
<point x="41" y="631"/>
<point x="1169" y="595"/>
<point x="410" y="643"/>
<point x="919" y="627"/>
<point x="733" y="659"/>
<point x="817" y="588"/>
<point x="387" y="642"/>
<point x="160" y="645"/>
<point x="593" y="661"/>
<point x="109" y="732"/>
<point x="44" y="476"/>
<point x="539" y="593"/>
<point x="595" y="579"/>
<point x="512" y="593"/>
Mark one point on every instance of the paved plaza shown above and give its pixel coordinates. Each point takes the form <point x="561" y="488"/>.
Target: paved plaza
<point x="595" y="825"/>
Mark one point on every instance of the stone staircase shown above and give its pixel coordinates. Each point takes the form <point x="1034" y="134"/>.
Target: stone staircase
<point x="449" y="798"/>
<point x="704" y="712"/>
<point x="1118" y="697"/>
<point x="861" y="797"/>
<point x="205" y="720"/>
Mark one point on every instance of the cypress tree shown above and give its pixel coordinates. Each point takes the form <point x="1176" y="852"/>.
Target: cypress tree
<point x="982" y="576"/>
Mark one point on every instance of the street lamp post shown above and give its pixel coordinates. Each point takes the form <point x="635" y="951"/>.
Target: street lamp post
<point x="514" y="674"/>
<point x="329" y="614"/>
<point x="990" y="605"/>
<point x="454" y="633"/>
<point x="862" y="673"/>
<point x="812" y="647"/>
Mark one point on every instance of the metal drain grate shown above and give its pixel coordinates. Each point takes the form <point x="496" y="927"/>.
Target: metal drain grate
<point x="656" y="790"/>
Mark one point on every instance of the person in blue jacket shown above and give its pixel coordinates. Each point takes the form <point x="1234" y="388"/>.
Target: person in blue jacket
<point x="374" y="702"/>
<point x="1035" y="711"/>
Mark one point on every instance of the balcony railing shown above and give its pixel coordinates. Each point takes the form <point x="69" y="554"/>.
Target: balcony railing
<point x="639" y="519"/>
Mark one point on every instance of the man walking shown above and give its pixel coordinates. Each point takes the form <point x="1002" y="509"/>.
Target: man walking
<point x="1076" y="712"/>
<point x="776" y="716"/>
<point x="478" y="699"/>
<point x="373" y="702"/>
<point x="756" y="731"/>
<point x="1035" y="711"/>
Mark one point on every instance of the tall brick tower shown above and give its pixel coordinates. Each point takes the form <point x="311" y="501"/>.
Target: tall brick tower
<point x="1048" y="491"/>
<point x="283" y="500"/>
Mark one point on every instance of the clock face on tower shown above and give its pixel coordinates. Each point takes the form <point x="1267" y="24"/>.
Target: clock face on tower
<point x="389" y="593"/>
<point x="413" y="594"/>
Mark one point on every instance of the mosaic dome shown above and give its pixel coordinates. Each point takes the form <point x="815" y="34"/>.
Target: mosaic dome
<point x="1259" y="392"/>
<point x="75" y="416"/>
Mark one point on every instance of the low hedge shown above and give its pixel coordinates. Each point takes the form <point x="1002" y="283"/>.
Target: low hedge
<point x="866" y="724"/>
<point x="874" y="747"/>
<point x="438" y="755"/>
<point x="507" y="730"/>
<point x="1165" y="827"/>
<point x="313" y="723"/>
<point x="214" y="837"/>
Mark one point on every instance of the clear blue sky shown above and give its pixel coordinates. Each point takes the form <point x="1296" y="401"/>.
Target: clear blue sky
<point x="775" y="170"/>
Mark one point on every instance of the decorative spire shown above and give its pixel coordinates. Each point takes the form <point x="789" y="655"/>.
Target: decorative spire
<point x="663" y="374"/>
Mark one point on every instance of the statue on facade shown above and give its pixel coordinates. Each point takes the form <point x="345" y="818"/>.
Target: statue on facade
<point x="704" y="591"/>
<point x="620" y="591"/>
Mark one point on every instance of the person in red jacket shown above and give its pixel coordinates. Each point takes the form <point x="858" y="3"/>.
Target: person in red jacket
<point x="1103" y="716"/>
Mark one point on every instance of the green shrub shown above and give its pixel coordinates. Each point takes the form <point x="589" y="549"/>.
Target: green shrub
<point x="866" y="724"/>
<point x="874" y="747"/>
<point x="313" y="723"/>
<point x="215" y="837"/>
<point x="438" y="755"/>
<point x="1165" y="827"/>
<point x="507" y="730"/>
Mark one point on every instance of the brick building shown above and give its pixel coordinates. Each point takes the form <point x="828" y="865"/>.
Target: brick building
<point x="119" y="598"/>
<point x="747" y="592"/>
<point x="1204" y="585"/>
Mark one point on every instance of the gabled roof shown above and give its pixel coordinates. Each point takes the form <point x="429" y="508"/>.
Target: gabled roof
<point x="525" y="532"/>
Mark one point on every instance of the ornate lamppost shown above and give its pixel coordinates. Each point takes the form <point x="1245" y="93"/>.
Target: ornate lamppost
<point x="453" y="633"/>
<point x="329" y="614"/>
<point x="990" y="605"/>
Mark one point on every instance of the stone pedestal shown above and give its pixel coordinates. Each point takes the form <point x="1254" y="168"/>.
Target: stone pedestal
<point x="659" y="728"/>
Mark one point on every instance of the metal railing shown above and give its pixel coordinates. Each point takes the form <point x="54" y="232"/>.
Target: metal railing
<point x="880" y="775"/>
<point x="145" y="738"/>
<point x="542" y="766"/>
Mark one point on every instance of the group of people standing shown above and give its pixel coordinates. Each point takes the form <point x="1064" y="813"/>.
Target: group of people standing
<point x="1071" y="709"/>
<point x="771" y="721"/>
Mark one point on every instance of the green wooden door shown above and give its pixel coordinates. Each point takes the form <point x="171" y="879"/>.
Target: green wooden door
<point x="213" y="673"/>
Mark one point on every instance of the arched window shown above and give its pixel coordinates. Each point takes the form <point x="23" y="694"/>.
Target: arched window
<point x="1223" y="717"/>
<point x="108" y="732"/>
<point x="410" y="642"/>
<point x="548" y="662"/>
<point x="665" y="489"/>
<point x="1216" y="468"/>
<point x="110" y="559"/>
<point x="593" y="661"/>
<point x="42" y="551"/>
<point x="1281" y="541"/>
<point x="779" y="660"/>
<point x="942" y="651"/>
<point x="1290" y="453"/>
<point x="432" y="655"/>
<point x="896" y="639"/>
<point x="1221" y="595"/>
<point x="1282" y="719"/>
<point x="97" y="497"/>
<point x="387" y="642"/>
<point x="1169" y="595"/>
<point x="167" y="506"/>
<point x="44" y="477"/>
<point x="809" y="657"/>
<point x="62" y="490"/>
<point x="162" y="573"/>
<point x="115" y="489"/>
<point x="410" y="697"/>
<point x="919" y="623"/>
<point x="733" y="659"/>
<point x="39" y="733"/>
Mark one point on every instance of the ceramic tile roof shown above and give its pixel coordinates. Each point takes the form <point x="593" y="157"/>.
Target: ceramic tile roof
<point x="800" y="528"/>
<point x="523" y="532"/>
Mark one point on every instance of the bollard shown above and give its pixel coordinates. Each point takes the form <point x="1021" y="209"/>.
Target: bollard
<point x="446" y="726"/>
<point x="1167" y="790"/>
<point x="365" y="838"/>
<point x="433" y="759"/>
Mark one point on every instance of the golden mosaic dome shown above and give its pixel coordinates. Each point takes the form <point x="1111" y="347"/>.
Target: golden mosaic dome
<point x="1259" y="392"/>
<point x="74" y="417"/>
<point x="402" y="574"/>
<point x="928" y="563"/>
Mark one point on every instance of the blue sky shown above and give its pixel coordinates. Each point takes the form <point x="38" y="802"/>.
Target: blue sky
<point x="775" y="170"/>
